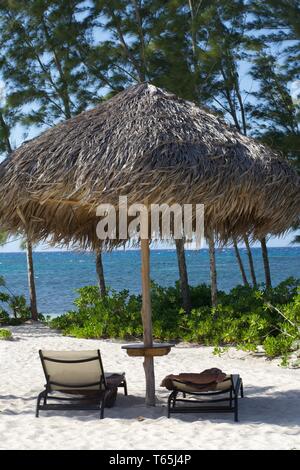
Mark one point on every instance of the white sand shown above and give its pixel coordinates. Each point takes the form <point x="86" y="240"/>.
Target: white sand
<point x="269" y="413"/>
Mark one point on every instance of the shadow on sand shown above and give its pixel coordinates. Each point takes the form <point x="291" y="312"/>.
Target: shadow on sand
<point x="276" y="408"/>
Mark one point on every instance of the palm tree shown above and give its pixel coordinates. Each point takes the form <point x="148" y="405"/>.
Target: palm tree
<point x="250" y="258"/>
<point x="265" y="257"/>
<point x="100" y="272"/>
<point x="27" y="245"/>
<point x="183" y="276"/>
<point x="240" y="263"/>
<point x="213" y="268"/>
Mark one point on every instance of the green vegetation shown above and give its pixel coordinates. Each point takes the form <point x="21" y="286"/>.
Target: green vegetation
<point x="13" y="308"/>
<point x="5" y="335"/>
<point x="245" y="317"/>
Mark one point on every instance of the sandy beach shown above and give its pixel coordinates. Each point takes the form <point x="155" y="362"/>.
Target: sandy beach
<point x="269" y="413"/>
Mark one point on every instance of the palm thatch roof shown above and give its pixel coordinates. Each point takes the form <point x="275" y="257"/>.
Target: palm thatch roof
<point x="145" y="143"/>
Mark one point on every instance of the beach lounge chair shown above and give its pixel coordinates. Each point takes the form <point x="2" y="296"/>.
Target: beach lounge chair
<point x="81" y="375"/>
<point x="211" y="397"/>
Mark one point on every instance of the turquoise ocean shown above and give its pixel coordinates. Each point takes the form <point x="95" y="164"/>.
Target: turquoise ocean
<point x="58" y="274"/>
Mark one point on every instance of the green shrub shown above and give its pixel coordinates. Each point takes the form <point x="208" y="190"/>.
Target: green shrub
<point x="275" y="346"/>
<point x="4" y="317"/>
<point x="19" y="307"/>
<point x="5" y="334"/>
<point x="283" y="292"/>
<point x="116" y="315"/>
<point x="16" y="309"/>
<point x="286" y="322"/>
<point x="245" y="317"/>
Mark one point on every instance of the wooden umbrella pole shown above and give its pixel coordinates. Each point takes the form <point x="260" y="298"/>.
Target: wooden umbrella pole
<point x="147" y="323"/>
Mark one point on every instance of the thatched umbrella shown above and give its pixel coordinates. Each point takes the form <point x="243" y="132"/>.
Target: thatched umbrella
<point x="151" y="146"/>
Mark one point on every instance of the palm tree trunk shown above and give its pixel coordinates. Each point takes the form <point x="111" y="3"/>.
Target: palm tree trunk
<point x="264" y="251"/>
<point x="250" y="258"/>
<point x="31" y="282"/>
<point x="240" y="263"/>
<point x="100" y="272"/>
<point x="183" y="276"/>
<point x="213" y="269"/>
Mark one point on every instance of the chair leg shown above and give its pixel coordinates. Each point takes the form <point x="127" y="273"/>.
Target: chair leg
<point x="39" y="398"/>
<point x="174" y="399"/>
<point x="102" y="405"/>
<point x="125" y="388"/>
<point x="170" y="400"/>
<point x="45" y="398"/>
<point x="242" y="389"/>
<point x="236" y="411"/>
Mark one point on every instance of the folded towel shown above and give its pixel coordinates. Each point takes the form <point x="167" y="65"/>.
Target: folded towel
<point x="207" y="377"/>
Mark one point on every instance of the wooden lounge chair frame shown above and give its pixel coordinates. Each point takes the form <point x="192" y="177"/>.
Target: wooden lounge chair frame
<point x="205" y="406"/>
<point x="97" y="401"/>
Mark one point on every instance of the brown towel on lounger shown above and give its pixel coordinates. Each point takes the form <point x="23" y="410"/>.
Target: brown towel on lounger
<point x="207" y="377"/>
